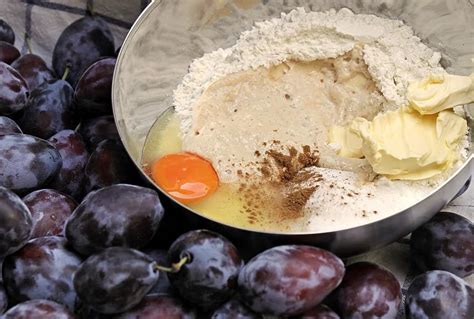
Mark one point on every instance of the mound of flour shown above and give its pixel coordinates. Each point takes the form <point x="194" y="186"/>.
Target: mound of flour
<point x="394" y="55"/>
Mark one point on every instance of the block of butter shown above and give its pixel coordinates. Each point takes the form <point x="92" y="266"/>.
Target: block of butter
<point x="438" y="92"/>
<point x="403" y="144"/>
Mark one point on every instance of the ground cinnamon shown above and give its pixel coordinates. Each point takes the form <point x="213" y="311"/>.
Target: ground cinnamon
<point x="269" y="197"/>
<point x="295" y="201"/>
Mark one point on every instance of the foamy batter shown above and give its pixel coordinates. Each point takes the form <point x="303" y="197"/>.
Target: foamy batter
<point x="294" y="103"/>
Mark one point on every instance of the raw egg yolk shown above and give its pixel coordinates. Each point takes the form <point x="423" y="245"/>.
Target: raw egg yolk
<point x="188" y="178"/>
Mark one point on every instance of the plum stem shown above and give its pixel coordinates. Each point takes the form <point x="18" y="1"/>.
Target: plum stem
<point x="175" y="267"/>
<point x="66" y="72"/>
<point x="28" y="43"/>
<point x="90" y="8"/>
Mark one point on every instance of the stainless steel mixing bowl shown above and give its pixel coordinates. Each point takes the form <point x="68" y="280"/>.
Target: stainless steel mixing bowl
<point x="171" y="33"/>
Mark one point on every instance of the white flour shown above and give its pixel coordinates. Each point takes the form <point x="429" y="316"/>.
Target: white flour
<point x="394" y="55"/>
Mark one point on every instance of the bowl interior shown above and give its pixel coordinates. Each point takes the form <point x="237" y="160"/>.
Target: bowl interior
<point x="171" y="33"/>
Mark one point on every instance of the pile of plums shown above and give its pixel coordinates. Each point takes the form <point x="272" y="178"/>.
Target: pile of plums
<point x="78" y="230"/>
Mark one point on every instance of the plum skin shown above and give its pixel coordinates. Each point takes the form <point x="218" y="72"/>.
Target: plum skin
<point x="29" y="162"/>
<point x="119" y="215"/>
<point x="446" y="242"/>
<point x="38" y="309"/>
<point x="115" y="280"/>
<point x="209" y="277"/>
<point x="50" y="210"/>
<point x="16" y="223"/>
<point x="368" y="291"/>
<point x="438" y="294"/>
<point x="42" y="269"/>
<point x="289" y="280"/>
<point x="160" y="306"/>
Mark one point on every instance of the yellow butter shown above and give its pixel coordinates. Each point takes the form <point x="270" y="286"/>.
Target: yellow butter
<point x="438" y="92"/>
<point x="403" y="144"/>
<point x="348" y="143"/>
<point x="451" y="128"/>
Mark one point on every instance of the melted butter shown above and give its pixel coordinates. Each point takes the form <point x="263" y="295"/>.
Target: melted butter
<point x="226" y="204"/>
<point x="163" y="138"/>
